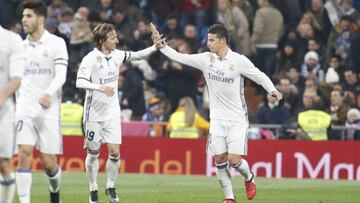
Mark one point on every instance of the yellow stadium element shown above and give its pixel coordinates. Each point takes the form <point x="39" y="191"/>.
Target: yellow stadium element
<point x="71" y="118"/>
<point x="315" y="123"/>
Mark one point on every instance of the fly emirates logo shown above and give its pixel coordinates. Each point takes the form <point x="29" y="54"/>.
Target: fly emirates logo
<point x="220" y="76"/>
<point x="112" y="77"/>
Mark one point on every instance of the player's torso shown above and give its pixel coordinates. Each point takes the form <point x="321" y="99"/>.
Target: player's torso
<point x="225" y="85"/>
<point x="7" y="110"/>
<point x="105" y="73"/>
<point x="39" y="72"/>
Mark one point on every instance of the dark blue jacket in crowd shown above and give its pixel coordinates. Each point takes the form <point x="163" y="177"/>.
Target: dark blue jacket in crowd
<point x="278" y="115"/>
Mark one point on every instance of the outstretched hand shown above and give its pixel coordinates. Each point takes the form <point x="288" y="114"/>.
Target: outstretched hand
<point x="277" y="95"/>
<point x="156" y="37"/>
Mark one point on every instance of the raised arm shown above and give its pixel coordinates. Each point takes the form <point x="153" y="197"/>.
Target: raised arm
<point x="138" y="55"/>
<point x="193" y="60"/>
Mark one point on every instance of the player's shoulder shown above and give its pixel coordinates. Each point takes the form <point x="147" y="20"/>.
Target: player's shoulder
<point x="9" y="36"/>
<point x="90" y="56"/>
<point x="55" y="40"/>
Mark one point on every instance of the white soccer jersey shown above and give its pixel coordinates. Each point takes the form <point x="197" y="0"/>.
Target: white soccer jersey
<point x="43" y="58"/>
<point x="100" y="70"/>
<point x="225" y="80"/>
<point x="11" y="64"/>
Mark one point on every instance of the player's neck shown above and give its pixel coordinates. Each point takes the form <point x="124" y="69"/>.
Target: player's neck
<point x="222" y="52"/>
<point x="105" y="51"/>
<point x="35" y="36"/>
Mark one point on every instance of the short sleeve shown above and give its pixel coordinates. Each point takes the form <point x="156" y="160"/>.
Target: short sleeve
<point x="85" y="69"/>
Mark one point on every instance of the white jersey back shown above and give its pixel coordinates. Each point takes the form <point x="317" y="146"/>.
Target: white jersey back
<point x="225" y="80"/>
<point x="11" y="64"/>
<point x="41" y="58"/>
<point x="102" y="70"/>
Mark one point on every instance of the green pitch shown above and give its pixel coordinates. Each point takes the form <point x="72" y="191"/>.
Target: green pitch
<point x="133" y="188"/>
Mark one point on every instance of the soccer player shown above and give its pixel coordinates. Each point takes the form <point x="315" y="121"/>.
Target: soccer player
<point x="224" y="71"/>
<point x="38" y="102"/>
<point x="12" y="62"/>
<point x="98" y="74"/>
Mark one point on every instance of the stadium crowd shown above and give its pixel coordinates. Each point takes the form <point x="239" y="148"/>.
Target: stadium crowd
<point x="309" y="48"/>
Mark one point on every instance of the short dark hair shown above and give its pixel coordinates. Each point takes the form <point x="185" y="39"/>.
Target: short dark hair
<point x="220" y="31"/>
<point x="38" y="7"/>
<point x="100" y="33"/>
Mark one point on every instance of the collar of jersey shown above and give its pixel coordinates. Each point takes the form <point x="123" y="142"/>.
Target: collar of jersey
<point x="102" y="55"/>
<point x="42" y="40"/>
<point x="226" y="57"/>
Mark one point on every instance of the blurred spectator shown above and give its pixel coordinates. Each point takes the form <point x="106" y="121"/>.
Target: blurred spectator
<point x="352" y="83"/>
<point x="237" y="25"/>
<point x="304" y="33"/>
<point x="315" y="45"/>
<point x="133" y="93"/>
<point x="124" y="26"/>
<point x="290" y="93"/>
<point x="104" y="9"/>
<point x="339" y="39"/>
<point x="56" y="9"/>
<point x="309" y="18"/>
<point x="195" y="12"/>
<point x="289" y="57"/>
<point x="81" y="35"/>
<point x="337" y="109"/>
<point x="313" y="123"/>
<point x="321" y="14"/>
<point x="355" y="49"/>
<point x="7" y="13"/>
<point x="155" y="112"/>
<point x="160" y="10"/>
<point x="191" y="37"/>
<point x="66" y="23"/>
<point x="142" y="36"/>
<point x="182" y="79"/>
<point x="273" y="112"/>
<point x="353" y="120"/>
<point x="296" y="78"/>
<point x="310" y="100"/>
<point x="247" y="8"/>
<point x="348" y="9"/>
<point x="311" y="67"/>
<point x="71" y="113"/>
<point x="149" y="93"/>
<point x="172" y="27"/>
<point x="267" y="30"/>
<point x="185" y="122"/>
<point x="336" y="66"/>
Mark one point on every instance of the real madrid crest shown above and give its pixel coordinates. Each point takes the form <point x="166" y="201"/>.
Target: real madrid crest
<point x="98" y="58"/>
<point x="83" y="69"/>
<point x="46" y="53"/>
<point x="232" y="67"/>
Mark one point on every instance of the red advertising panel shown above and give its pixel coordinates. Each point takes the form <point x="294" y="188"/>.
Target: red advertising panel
<point x="274" y="158"/>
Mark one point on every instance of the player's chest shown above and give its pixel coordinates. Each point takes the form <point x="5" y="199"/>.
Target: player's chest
<point x="222" y="72"/>
<point x="39" y="55"/>
<point x="107" y="67"/>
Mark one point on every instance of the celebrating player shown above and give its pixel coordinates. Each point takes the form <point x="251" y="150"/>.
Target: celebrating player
<point x="98" y="74"/>
<point x="12" y="62"/>
<point x="38" y="102"/>
<point x="224" y="71"/>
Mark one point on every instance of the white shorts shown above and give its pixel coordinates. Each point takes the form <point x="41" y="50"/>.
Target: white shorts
<point x="227" y="136"/>
<point x="7" y="138"/>
<point x="98" y="132"/>
<point x="43" y="133"/>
